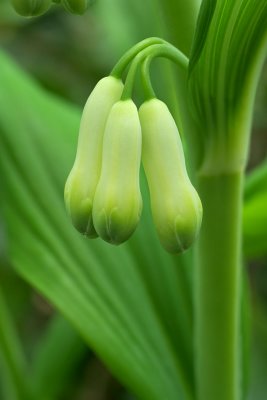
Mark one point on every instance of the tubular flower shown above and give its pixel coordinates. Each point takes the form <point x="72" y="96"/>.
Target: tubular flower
<point x="84" y="176"/>
<point x="117" y="203"/>
<point x="29" y="8"/>
<point x="176" y="207"/>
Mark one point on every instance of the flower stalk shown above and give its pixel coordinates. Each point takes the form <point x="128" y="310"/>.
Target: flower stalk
<point x="165" y="50"/>
<point x="217" y="288"/>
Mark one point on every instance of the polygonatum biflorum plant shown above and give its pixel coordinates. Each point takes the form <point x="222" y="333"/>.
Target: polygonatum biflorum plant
<point x="168" y="326"/>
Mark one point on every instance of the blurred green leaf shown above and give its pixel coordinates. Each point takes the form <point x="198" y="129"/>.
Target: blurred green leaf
<point x="59" y="352"/>
<point x="16" y="383"/>
<point x="255" y="213"/>
<point x="255" y="226"/>
<point x="259" y="364"/>
<point x="256" y="181"/>
<point x="132" y="303"/>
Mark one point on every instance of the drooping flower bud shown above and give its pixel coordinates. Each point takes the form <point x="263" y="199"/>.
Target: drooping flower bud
<point x="31" y="8"/>
<point x="176" y="207"/>
<point x="83" y="178"/>
<point x="117" y="203"/>
<point x="75" y="6"/>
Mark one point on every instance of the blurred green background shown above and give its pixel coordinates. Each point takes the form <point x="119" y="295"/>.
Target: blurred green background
<point x="67" y="55"/>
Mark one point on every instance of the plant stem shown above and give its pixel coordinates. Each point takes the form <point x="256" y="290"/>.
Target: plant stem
<point x="217" y="288"/>
<point x="146" y="81"/>
<point x="156" y="50"/>
<point x="130" y="54"/>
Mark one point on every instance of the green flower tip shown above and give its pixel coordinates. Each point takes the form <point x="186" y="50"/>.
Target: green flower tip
<point x="31" y="8"/>
<point x="84" y="176"/>
<point x="176" y="207"/>
<point x="117" y="203"/>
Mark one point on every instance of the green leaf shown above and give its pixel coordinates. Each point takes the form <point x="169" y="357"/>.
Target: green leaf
<point x="259" y="355"/>
<point x="14" y="376"/>
<point x="256" y="181"/>
<point x="255" y="213"/>
<point x="131" y="303"/>
<point x="202" y="28"/>
<point x="58" y="354"/>
<point x="254" y="226"/>
<point x="226" y="62"/>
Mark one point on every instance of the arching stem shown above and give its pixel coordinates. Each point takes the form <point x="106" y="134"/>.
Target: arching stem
<point x="130" y="54"/>
<point x="157" y="50"/>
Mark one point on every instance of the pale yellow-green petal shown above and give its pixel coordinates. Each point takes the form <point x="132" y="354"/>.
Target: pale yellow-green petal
<point x="117" y="204"/>
<point x="82" y="181"/>
<point x="176" y="207"/>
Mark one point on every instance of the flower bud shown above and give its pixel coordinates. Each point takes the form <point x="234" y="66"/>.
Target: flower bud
<point x="30" y="8"/>
<point x="117" y="203"/>
<point x="75" y="6"/>
<point x="176" y="207"/>
<point x="83" y="178"/>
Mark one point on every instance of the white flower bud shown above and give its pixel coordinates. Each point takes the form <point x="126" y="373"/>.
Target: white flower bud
<point x="176" y="207"/>
<point x="117" y="203"/>
<point x="83" y="178"/>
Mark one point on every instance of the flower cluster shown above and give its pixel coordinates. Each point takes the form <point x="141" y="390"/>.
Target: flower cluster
<point x="33" y="8"/>
<point x="102" y="192"/>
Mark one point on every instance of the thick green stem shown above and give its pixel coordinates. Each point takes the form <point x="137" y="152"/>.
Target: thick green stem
<point x="217" y="288"/>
